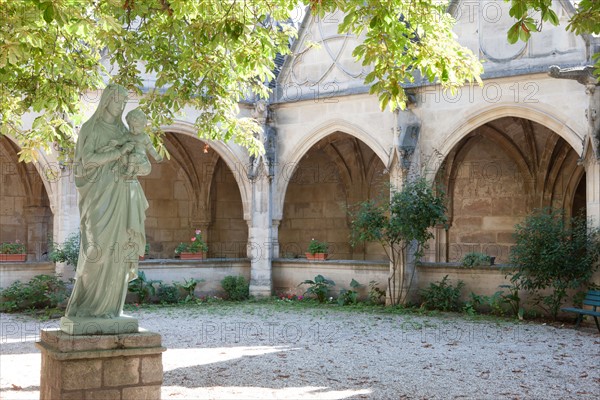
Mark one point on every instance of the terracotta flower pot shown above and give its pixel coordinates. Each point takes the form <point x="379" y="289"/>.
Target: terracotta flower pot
<point x="13" y="257"/>
<point x="316" y="256"/>
<point x="192" y="256"/>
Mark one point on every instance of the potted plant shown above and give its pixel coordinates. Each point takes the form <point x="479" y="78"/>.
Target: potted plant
<point x="317" y="251"/>
<point x="12" y="252"/>
<point x="475" y="259"/>
<point x="194" y="250"/>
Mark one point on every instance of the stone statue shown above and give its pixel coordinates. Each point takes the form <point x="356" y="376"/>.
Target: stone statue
<point x="112" y="209"/>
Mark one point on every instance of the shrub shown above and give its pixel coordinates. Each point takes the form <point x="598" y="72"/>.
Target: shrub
<point x="442" y="296"/>
<point x="376" y="295"/>
<point x="475" y="259"/>
<point x="349" y="296"/>
<point x="492" y="304"/>
<point x="397" y="224"/>
<point x="319" y="287"/>
<point x="42" y="291"/>
<point x="553" y="252"/>
<point x="67" y="252"/>
<point x="144" y="288"/>
<point x="167" y="294"/>
<point x="189" y="286"/>
<point x="236" y="288"/>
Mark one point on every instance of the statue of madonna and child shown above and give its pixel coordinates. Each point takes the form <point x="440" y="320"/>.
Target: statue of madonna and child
<point x="108" y="158"/>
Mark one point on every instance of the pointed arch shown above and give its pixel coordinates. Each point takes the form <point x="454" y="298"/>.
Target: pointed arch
<point x="318" y="133"/>
<point x="233" y="156"/>
<point x="478" y="118"/>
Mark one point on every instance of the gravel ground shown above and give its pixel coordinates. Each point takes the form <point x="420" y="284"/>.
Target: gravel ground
<point x="269" y="351"/>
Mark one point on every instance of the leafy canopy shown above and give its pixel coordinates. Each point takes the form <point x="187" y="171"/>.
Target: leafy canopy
<point x="208" y="54"/>
<point x="530" y="16"/>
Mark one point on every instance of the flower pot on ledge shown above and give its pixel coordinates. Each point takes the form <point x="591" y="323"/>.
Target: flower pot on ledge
<point x="192" y="256"/>
<point x="316" y="256"/>
<point x="13" y="257"/>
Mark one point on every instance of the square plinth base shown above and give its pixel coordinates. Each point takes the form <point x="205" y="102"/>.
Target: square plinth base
<point x="120" y="367"/>
<point x="99" y="326"/>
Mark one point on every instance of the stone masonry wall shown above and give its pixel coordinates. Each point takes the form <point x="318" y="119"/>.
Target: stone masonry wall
<point x="119" y="367"/>
<point x="228" y="229"/>
<point x="489" y="199"/>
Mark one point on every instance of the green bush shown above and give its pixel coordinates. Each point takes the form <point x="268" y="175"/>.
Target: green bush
<point x="442" y="296"/>
<point x="144" y="288"/>
<point x="493" y="304"/>
<point x="319" y="287"/>
<point x="553" y="252"/>
<point x="67" y="252"/>
<point x="42" y="291"/>
<point x="189" y="286"/>
<point x="475" y="259"/>
<point x="168" y="294"/>
<point x="236" y="288"/>
<point x="401" y="225"/>
<point x="349" y="296"/>
<point x="376" y="295"/>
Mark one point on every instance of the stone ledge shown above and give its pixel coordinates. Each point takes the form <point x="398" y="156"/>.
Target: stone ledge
<point x="99" y="326"/>
<point x="91" y="354"/>
<point x="61" y="342"/>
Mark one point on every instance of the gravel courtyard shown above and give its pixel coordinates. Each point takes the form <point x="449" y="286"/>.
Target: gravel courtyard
<point x="280" y="351"/>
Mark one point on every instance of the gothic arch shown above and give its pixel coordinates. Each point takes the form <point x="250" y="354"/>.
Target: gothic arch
<point x="235" y="160"/>
<point x="479" y="117"/>
<point x="289" y="166"/>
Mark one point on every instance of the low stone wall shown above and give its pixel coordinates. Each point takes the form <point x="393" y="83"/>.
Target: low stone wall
<point x="11" y="272"/>
<point x="289" y="273"/>
<point x="212" y="271"/>
<point x="479" y="280"/>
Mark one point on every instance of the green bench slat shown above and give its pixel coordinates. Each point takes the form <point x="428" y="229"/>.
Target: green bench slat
<point x="582" y="311"/>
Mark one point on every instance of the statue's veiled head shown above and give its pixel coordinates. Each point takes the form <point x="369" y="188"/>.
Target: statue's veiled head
<point x="112" y="102"/>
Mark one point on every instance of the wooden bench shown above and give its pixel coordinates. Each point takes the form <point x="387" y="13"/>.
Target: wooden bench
<point x="592" y="298"/>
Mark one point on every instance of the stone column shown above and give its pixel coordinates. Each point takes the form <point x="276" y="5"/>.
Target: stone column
<point x="275" y="237"/>
<point x="404" y="164"/>
<point x="592" y="189"/>
<point x="119" y="367"/>
<point x="261" y="229"/>
<point x="260" y="237"/>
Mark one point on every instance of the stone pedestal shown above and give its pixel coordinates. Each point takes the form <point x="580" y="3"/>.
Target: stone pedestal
<point x="99" y="326"/>
<point x="118" y="367"/>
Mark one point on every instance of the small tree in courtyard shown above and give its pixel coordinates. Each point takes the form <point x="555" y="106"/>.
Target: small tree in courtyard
<point x="553" y="252"/>
<point x="396" y="224"/>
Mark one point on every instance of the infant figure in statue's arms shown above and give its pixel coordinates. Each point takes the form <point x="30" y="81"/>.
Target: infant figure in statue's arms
<point x="136" y="162"/>
<point x="136" y="119"/>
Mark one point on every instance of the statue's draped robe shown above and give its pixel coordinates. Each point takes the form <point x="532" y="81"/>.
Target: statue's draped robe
<point x="112" y="211"/>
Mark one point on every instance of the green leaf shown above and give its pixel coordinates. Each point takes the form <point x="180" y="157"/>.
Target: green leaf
<point x="48" y="12"/>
